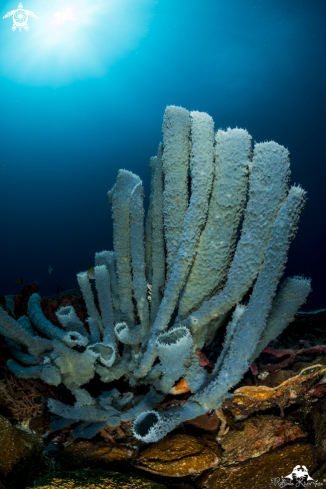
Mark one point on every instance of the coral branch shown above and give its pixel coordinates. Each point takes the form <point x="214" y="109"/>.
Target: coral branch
<point x="295" y="352"/>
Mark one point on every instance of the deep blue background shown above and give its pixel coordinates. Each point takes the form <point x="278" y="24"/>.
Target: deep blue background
<point x="257" y="64"/>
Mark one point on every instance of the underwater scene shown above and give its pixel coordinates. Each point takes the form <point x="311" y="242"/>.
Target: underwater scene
<point x="163" y="245"/>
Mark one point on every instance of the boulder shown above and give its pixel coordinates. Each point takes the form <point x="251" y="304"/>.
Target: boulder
<point x="179" y="456"/>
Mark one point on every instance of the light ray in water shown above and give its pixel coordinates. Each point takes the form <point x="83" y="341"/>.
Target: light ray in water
<point x="72" y="41"/>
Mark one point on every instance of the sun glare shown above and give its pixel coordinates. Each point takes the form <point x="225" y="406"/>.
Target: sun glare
<point x="73" y="41"/>
<point x="63" y="16"/>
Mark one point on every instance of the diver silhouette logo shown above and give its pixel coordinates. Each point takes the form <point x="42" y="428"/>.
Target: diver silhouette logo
<point x="20" y="18"/>
<point x="299" y="474"/>
<point x="299" y="477"/>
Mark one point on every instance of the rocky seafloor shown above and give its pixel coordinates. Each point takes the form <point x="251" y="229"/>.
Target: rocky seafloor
<point x="270" y="433"/>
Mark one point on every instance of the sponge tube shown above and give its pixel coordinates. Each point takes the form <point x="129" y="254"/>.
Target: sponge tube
<point x="103" y="287"/>
<point x="107" y="258"/>
<point x="216" y="243"/>
<point x="25" y="322"/>
<point x="70" y="338"/>
<point x="174" y="349"/>
<point x="176" y="140"/>
<point x="15" y="331"/>
<point x="88" y="430"/>
<point x="126" y="335"/>
<point x="289" y="299"/>
<point x="152" y="426"/>
<point x="105" y="352"/>
<point x="120" y="198"/>
<point x="253" y="321"/>
<point x="95" y="335"/>
<point x="47" y="372"/>
<point x="268" y="186"/>
<point x="85" y="287"/>
<point x="148" y="225"/>
<point x="201" y="163"/>
<point x="152" y="399"/>
<point x="85" y="413"/>
<point x="70" y="321"/>
<point x="230" y="330"/>
<point x="137" y="246"/>
<point x="19" y="353"/>
<point x="158" y="253"/>
<point x="195" y="375"/>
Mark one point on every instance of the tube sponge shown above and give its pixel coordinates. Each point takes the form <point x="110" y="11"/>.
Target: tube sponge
<point x="174" y="349"/>
<point x="201" y="165"/>
<point x="152" y="426"/>
<point x="151" y="400"/>
<point x="253" y="321"/>
<point x="126" y="335"/>
<point x="157" y="238"/>
<point x="195" y="375"/>
<point x="15" y="330"/>
<point x="174" y="316"/>
<point x="88" y="430"/>
<point x="292" y="295"/>
<point x="84" y="413"/>
<point x="268" y="187"/>
<point x="45" y="371"/>
<point x="104" y="352"/>
<point x="85" y="287"/>
<point x="137" y="246"/>
<point x="26" y="324"/>
<point x="216" y="243"/>
<point x="70" y="338"/>
<point x="148" y="225"/>
<point x="230" y="330"/>
<point x="83" y="398"/>
<point x="21" y="355"/>
<point x="70" y="321"/>
<point x="176" y="140"/>
<point x="120" y="198"/>
<point x="107" y="258"/>
<point x="103" y="287"/>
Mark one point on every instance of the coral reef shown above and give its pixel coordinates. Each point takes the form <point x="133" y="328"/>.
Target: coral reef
<point x="219" y="225"/>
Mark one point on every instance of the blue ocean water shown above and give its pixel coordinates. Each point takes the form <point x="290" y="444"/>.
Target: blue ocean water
<point x="83" y="93"/>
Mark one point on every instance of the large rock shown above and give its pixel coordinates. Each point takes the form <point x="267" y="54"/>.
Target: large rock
<point x="249" y="399"/>
<point x="86" y="451"/>
<point x="319" y="424"/>
<point x="179" y="456"/>
<point x="262" y="472"/>
<point x="261" y="434"/>
<point x="17" y="446"/>
<point x="95" y="479"/>
<point x="208" y="422"/>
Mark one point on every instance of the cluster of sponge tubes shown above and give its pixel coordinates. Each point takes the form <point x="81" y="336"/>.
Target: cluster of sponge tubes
<point x="170" y="283"/>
